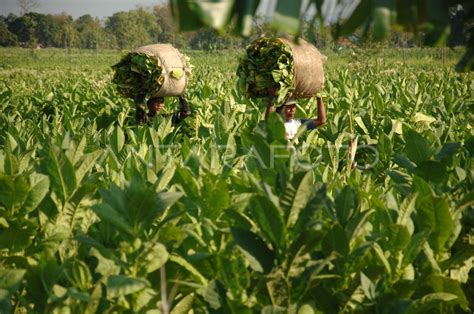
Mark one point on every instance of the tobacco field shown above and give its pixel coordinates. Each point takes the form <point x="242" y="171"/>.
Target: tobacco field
<point x="221" y="214"/>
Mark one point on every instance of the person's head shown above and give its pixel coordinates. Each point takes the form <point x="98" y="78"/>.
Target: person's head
<point x="289" y="109"/>
<point x="155" y="104"/>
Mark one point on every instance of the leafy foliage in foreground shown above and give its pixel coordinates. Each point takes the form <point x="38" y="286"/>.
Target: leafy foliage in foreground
<point x="91" y="207"/>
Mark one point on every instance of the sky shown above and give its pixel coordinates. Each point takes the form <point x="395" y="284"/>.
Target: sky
<point x="76" y="8"/>
<point x="105" y="8"/>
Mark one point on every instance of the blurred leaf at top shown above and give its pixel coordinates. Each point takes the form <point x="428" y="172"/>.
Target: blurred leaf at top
<point x="432" y="18"/>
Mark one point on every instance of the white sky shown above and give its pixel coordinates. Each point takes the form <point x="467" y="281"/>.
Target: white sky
<point x="76" y="8"/>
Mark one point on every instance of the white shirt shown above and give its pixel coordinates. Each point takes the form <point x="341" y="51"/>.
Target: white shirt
<point x="291" y="128"/>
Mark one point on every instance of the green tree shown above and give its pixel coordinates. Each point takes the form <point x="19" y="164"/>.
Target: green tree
<point x="47" y="29"/>
<point x="7" y="38"/>
<point x="169" y="31"/>
<point x="90" y="33"/>
<point x="23" y="27"/>
<point x="165" y="21"/>
<point x="133" y="28"/>
<point x="67" y="35"/>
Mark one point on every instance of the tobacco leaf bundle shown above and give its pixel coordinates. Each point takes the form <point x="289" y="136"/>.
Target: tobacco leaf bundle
<point x="138" y="75"/>
<point x="281" y="68"/>
<point x="267" y="66"/>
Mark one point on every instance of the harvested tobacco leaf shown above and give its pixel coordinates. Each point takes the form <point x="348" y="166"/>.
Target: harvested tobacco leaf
<point x="137" y="75"/>
<point x="267" y="66"/>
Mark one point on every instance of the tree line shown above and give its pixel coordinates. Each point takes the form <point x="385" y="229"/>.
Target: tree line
<point x="122" y="30"/>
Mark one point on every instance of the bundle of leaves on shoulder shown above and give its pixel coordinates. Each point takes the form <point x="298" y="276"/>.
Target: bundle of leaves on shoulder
<point x="267" y="65"/>
<point x="138" y="75"/>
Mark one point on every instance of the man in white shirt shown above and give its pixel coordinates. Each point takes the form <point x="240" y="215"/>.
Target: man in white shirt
<point x="291" y="124"/>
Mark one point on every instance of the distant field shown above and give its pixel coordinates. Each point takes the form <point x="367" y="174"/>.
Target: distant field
<point x="53" y="57"/>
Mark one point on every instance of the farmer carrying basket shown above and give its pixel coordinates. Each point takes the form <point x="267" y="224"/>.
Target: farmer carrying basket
<point x="151" y="73"/>
<point x="284" y="71"/>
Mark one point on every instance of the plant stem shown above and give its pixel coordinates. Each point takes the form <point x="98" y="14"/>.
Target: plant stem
<point x="164" y="295"/>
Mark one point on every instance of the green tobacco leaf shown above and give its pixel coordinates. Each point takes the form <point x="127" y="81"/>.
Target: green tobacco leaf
<point x="448" y="150"/>
<point x="336" y="240"/>
<point x="276" y="128"/>
<point x="355" y="225"/>
<point x="13" y="191"/>
<point x="442" y="286"/>
<point x="417" y="148"/>
<point x="105" y="266"/>
<point x="155" y="257"/>
<point x="119" y="286"/>
<point x="468" y="200"/>
<point x="87" y="163"/>
<point x="306" y="309"/>
<point x="39" y="187"/>
<point x="296" y="196"/>
<point x="190" y="268"/>
<point x="404" y="162"/>
<point x="137" y="205"/>
<point x="16" y="239"/>
<point x="358" y="17"/>
<point x="308" y="214"/>
<point x="260" y="257"/>
<point x="79" y="275"/>
<point x="463" y="258"/>
<point x="432" y="171"/>
<point x="433" y="215"/>
<point x="421" y="187"/>
<point x="380" y="254"/>
<point x="212" y="294"/>
<point x="444" y="224"/>
<point x="421" y="117"/>
<point x="110" y="215"/>
<point x="303" y="282"/>
<point x="347" y="201"/>
<point x="270" y="221"/>
<point x="184" y="305"/>
<point x="75" y="152"/>
<point x="287" y="16"/>
<point x="398" y="237"/>
<point x="406" y="209"/>
<point x="165" y="177"/>
<point x="431" y="261"/>
<point x="61" y="173"/>
<point x="431" y="302"/>
<point x="9" y="163"/>
<point x="167" y="199"/>
<point x="215" y="195"/>
<point x="367" y="286"/>
<point x="117" y="140"/>
<point x="10" y="279"/>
